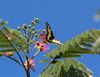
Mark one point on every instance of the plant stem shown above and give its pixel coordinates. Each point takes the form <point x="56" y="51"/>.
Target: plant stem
<point x="15" y="50"/>
<point x="27" y="72"/>
<point x="13" y="59"/>
<point x="48" y="65"/>
<point x="35" y="54"/>
<point x="28" y="69"/>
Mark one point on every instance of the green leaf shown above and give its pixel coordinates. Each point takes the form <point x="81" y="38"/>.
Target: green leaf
<point x="10" y="35"/>
<point x="81" y="44"/>
<point x="67" y="68"/>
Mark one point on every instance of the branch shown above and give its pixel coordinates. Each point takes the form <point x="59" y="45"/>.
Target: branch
<point x="13" y="59"/>
<point x="15" y="50"/>
<point x="48" y="65"/>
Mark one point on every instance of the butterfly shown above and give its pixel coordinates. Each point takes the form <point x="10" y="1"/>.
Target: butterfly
<point x="48" y="37"/>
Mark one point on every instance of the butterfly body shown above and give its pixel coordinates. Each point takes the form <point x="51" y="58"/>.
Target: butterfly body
<point x="48" y="37"/>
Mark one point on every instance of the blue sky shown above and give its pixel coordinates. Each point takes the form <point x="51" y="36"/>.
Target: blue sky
<point x="67" y="17"/>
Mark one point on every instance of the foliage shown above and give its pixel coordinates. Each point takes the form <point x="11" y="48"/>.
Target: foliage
<point x="81" y="44"/>
<point x="14" y="36"/>
<point x="27" y="39"/>
<point x="67" y="68"/>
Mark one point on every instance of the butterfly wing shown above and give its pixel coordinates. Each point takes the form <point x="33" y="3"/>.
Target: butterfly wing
<point x="49" y="33"/>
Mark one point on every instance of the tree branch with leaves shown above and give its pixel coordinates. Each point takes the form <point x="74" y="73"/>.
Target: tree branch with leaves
<point x="28" y="40"/>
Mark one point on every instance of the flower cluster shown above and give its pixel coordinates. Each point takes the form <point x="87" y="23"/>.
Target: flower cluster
<point x="41" y="46"/>
<point x="31" y="64"/>
<point x="43" y="36"/>
<point x="8" y="53"/>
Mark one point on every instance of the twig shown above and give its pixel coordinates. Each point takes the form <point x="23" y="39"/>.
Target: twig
<point x="47" y="65"/>
<point x="35" y="54"/>
<point x="13" y="59"/>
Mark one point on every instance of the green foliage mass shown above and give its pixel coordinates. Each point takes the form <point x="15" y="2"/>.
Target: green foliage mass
<point x="67" y="68"/>
<point x="11" y="39"/>
<point x="8" y="36"/>
<point x="81" y="44"/>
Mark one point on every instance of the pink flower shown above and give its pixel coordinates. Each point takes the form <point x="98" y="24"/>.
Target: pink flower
<point x="43" y="36"/>
<point x="31" y="64"/>
<point x="41" y="46"/>
<point x="8" y="53"/>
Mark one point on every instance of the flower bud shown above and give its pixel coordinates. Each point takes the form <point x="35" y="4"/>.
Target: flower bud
<point x="32" y="41"/>
<point x="36" y="20"/>
<point x="29" y="26"/>
<point x="33" y="32"/>
<point x="43" y="31"/>
<point x="31" y="63"/>
<point x="8" y="53"/>
<point x="18" y="28"/>
<point x="24" y="27"/>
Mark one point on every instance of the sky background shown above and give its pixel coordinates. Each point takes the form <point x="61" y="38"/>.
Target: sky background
<point x="67" y="17"/>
